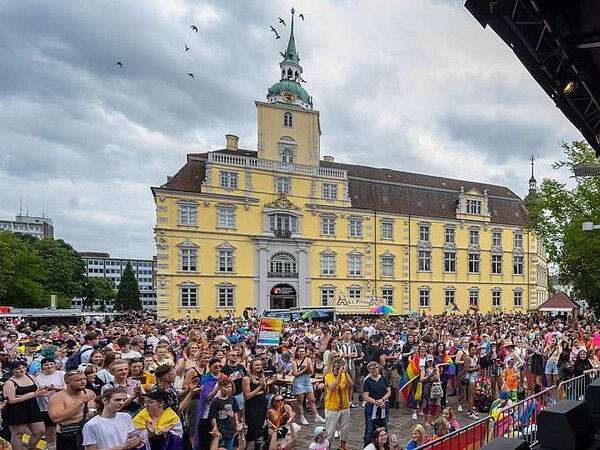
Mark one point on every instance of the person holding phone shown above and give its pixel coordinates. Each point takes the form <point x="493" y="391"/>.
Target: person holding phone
<point x="338" y="385"/>
<point x="112" y="429"/>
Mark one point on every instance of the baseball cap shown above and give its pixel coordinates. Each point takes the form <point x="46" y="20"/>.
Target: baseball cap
<point x="158" y="394"/>
<point x="319" y="431"/>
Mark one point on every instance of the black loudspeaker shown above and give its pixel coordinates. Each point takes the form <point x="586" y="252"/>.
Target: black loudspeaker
<point x="592" y="399"/>
<point x="566" y="425"/>
<point x="502" y="443"/>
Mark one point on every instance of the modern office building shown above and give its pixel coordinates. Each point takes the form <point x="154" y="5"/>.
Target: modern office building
<point x="281" y="227"/>
<point x="40" y="227"/>
<point x="101" y="265"/>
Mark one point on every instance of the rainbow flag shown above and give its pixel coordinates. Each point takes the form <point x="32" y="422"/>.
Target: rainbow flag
<point x="410" y="386"/>
<point x="450" y="369"/>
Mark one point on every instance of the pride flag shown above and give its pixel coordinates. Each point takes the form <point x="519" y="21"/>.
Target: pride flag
<point x="450" y="367"/>
<point x="410" y="385"/>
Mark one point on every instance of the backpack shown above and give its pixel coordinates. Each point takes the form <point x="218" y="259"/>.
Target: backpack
<point x="75" y="359"/>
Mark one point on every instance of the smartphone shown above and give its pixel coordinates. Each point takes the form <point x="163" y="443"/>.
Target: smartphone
<point x="136" y="433"/>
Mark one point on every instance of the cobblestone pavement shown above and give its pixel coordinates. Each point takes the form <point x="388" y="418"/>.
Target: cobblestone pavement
<point x="400" y="423"/>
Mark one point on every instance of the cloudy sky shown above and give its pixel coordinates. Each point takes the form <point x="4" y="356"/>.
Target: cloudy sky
<point x="410" y="85"/>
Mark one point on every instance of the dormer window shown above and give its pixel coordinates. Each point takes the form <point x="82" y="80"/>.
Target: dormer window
<point x="288" y="120"/>
<point x="474" y="207"/>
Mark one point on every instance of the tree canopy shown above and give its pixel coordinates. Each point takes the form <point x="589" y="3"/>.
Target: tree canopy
<point x="557" y="213"/>
<point x="128" y="295"/>
<point x="32" y="269"/>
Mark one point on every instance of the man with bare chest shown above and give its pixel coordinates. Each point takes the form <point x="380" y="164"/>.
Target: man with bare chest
<point x="70" y="409"/>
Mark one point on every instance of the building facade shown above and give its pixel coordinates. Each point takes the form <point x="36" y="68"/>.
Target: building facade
<point x="39" y="227"/>
<point x="101" y="265"/>
<point x="281" y="227"/>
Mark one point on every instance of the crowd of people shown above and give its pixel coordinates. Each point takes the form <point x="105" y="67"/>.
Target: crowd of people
<point x="205" y="384"/>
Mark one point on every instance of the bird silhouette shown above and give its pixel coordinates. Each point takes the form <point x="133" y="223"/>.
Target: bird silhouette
<point x="303" y="80"/>
<point x="301" y="16"/>
<point x="190" y="74"/>
<point x="194" y="27"/>
<point x="186" y="48"/>
<point x="282" y="21"/>
<point x="282" y="54"/>
<point x="119" y="63"/>
<point x="275" y="31"/>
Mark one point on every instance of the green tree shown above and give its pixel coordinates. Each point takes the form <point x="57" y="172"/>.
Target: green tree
<point x="128" y="295"/>
<point x="98" y="289"/>
<point x="22" y="273"/>
<point x="64" y="267"/>
<point x="557" y="214"/>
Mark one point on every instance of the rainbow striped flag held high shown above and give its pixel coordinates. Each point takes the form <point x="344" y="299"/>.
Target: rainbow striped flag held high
<point x="411" y="387"/>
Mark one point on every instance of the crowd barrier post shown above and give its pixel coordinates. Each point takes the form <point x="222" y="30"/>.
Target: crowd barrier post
<point x="574" y="388"/>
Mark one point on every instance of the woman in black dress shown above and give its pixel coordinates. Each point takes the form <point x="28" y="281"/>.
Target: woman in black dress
<point x="255" y="387"/>
<point x="23" y="412"/>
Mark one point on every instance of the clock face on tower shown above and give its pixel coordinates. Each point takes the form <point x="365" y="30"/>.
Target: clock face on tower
<point x="288" y="97"/>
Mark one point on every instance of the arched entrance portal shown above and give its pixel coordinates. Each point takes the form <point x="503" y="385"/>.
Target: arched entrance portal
<point x="283" y="296"/>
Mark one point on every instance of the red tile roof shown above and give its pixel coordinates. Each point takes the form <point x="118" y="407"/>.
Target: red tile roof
<point x="386" y="190"/>
<point x="559" y="300"/>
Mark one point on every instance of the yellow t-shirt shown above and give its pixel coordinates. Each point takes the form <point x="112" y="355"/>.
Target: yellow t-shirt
<point x="332" y="398"/>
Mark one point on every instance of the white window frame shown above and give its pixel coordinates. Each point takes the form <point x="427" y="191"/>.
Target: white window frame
<point x="497" y="238"/>
<point x="518" y="294"/>
<point x="273" y="221"/>
<point x="424" y="298"/>
<point x="288" y="120"/>
<point x="226" y="292"/>
<point x="496" y="298"/>
<point x="354" y="294"/>
<point x="387" y="230"/>
<point x="283" y="263"/>
<point x="355" y="227"/>
<point x="474" y="206"/>
<point x="328" y="225"/>
<point x="449" y="297"/>
<point x="329" y="191"/>
<point x="188" y="295"/>
<point x="188" y="215"/>
<point x="449" y="235"/>
<point x="327" y="295"/>
<point x="328" y="264"/>
<point x="283" y="185"/>
<point x="227" y="256"/>
<point x="355" y="265"/>
<point x="518" y="240"/>
<point x="474" y="295"/>
<point x="474" y="237"/>
<point x="226" y="216"/>
<point x="424" y="260"/>
<point x="387" y="266"/>
<point x="496" y="262"/>
<point x="518" y="264"/>
<point x="228" y="179"/>
<point x="188" y="259"/>
<point x="474" y="261"/>
<point x="387" y="294"/>
<point x="424" y="233"/>
<point x="449" y="261"/>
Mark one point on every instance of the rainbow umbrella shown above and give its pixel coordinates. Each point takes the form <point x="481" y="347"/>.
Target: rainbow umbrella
<point x="382" y="309"/>
<point x="315" y="313"/>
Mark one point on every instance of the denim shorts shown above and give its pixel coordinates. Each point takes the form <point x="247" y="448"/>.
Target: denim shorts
<point x="241" y="401"/>
<point x="226" y="443"/>
<point x="551" y="368"/>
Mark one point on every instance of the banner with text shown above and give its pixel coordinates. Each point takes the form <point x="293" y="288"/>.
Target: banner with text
<point x="269" y="332"/>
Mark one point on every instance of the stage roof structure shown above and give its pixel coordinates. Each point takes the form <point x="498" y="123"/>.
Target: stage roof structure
<point x="558" y="42"/>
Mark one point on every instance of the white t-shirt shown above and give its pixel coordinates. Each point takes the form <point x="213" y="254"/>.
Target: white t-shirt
<point x="322" y="446"/>
<point x="131" y="354"/>
<point x="108" y="433"/>
<point x="57" y="379"/>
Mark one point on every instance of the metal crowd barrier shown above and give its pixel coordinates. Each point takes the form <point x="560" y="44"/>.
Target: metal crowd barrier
<point x="517" y="420"/>
<point x="574" y="389"/>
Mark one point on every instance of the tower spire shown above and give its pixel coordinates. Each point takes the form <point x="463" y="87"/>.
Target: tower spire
<point x="532" y="180"/>
<point x="291" y="54"/>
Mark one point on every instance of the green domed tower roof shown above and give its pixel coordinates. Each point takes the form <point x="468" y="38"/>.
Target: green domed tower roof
<point x="288" y="89"/>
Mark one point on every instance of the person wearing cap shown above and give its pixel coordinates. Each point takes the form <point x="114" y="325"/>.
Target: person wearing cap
<point x="159" y="421"/>
<point x="320" y="441"/>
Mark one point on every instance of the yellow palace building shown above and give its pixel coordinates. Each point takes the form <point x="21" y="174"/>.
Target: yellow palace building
<point x="281" y="227"/>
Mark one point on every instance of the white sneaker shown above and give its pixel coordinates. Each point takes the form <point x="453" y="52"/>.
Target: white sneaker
<point x="414" y="416"/>
<point x="318" y="419"/>
<point x="459" y="409"/>
<point x="303" y="420"/>
<point x="336" y="434"/>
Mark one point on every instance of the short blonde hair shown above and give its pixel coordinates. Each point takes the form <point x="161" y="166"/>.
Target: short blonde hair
<point x="419" y="429"/>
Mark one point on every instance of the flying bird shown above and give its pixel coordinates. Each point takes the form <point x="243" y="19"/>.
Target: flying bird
<point x="303" y="80"/>
<point x="186" y="48"/>
<point x="282" y="21"/>
<point x="301" y="16"/>
<point x="275" y="31"/>
<point x="190" y="74"/>
<point x="194" y="27"/>
<point x="282" y="54"/>
<point x="119" y="63"/>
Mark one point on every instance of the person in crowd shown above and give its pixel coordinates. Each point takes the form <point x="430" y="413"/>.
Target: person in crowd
<point x="127" y="353"/>
<point x="338" y="386"/>
<point x="255" y="386"/>
<point x="51" y="380"/>
<point x="383" y="441"/>
<point x="471" y="370"/>
<point x="236" y="372"/>
<point x="450" y="418"/>
<point x="71" y="408"/>
<point x="441" y="427"/>
<point x="93" y="382"/>
<point x="224" y="415"/>
<point x="459" y="360"/>
<point x="302" y="369"/>
<point x="111" y="429"/>
<point x="320" y="439"/>
<point x="91" y="342"/>
<point x="418" y="437"/>
<point x="191" y="381"/>
<point x="349" y="351"/>
<point x="119" y="371"/>
<point x="583" y="365"/>
<point x="104" y="372"/>
<point x="430" y="374"/>
<point x="138" y="373"/>
<point x="209" y="388"/>
<point x="161" y="423"/>
<point x="392" y="353"/>
<point x="552" y="353"/>
<point x="376" y="393"/>
<point x="23" y="412"/>
<point x="280" y="416"/>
